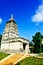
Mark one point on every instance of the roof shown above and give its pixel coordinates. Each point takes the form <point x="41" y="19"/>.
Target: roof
<point x="11" y="21"/>
<point x="19" y="39"/>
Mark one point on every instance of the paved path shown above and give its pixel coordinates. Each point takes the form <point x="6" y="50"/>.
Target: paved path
<point x="14" y="58"/>
<point x="11" y="60"/>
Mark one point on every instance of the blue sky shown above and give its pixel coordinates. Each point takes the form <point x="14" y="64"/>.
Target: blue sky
<point x="28" y="14"/>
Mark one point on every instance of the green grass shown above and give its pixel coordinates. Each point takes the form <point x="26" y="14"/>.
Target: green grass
<point x="31" y="61"/>
<point x="3" y="55"/>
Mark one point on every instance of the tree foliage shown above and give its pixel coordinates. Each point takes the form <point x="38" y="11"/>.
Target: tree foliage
<point x="37" y="42"/>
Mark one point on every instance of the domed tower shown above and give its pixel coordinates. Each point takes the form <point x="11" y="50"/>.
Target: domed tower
<point x="10" y="32"/>
<point x="11" y="40"/>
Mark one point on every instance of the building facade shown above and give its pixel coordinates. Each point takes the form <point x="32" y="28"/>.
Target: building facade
<point x="10" y="38"/>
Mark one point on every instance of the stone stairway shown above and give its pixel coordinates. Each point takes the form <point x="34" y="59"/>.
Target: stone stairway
<point x="11" y="60"/>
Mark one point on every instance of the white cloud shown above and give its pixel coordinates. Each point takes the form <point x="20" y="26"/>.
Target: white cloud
<point x="38" y="16"/>
<point x="0" y="20"/>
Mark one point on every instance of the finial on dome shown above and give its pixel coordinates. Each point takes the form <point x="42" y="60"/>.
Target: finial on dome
<point x="11" y="17"/>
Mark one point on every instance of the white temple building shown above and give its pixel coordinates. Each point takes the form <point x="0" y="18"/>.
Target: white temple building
<point x="11" y="39"/>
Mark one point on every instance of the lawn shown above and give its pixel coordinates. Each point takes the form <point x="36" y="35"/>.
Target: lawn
<point x="3" y="55"/>
<point x="31" y="61"/>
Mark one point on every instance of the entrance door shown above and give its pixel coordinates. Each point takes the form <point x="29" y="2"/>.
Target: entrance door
<point x="24" y="45"/>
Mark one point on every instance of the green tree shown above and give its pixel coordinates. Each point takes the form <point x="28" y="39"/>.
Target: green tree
<point x="37" y="42"/>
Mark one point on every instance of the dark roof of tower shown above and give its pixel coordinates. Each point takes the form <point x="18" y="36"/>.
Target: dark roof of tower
<point x="11" y="21"/>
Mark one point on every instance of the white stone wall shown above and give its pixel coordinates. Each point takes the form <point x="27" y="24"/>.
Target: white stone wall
<point x="4" y="46"/>
<point x="15" y="46"/>
<point x="12" y="46"/>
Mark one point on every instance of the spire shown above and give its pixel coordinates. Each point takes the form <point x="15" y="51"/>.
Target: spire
<point x="12" y="18"/>
<point x="11" y="15"/>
